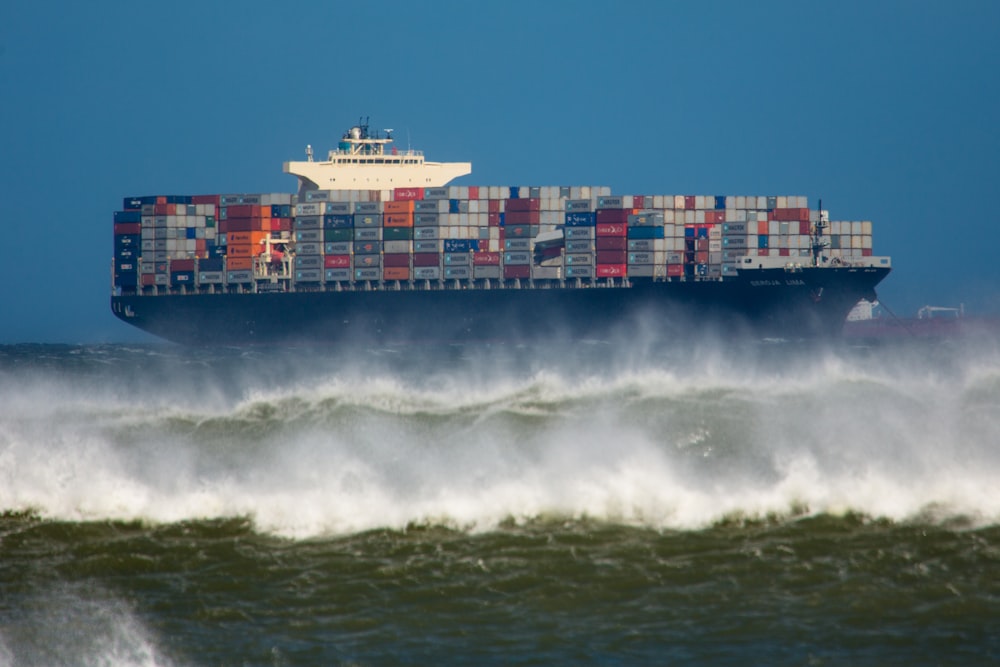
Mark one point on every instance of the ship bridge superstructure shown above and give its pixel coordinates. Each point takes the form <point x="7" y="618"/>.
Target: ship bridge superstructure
<point x="364" y="160"/>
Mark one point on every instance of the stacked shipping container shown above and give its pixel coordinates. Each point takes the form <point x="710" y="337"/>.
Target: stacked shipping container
<point x="459" y="234"/>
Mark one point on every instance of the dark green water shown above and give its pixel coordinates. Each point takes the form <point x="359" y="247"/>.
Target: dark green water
<point x="192" y="508"/>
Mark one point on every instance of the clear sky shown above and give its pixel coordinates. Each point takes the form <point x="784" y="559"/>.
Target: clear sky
<point x="887" y="110"/>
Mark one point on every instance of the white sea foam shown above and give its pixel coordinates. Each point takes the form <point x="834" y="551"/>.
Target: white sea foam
<point x="78" y="625"/>
<point x="662" y="445"/>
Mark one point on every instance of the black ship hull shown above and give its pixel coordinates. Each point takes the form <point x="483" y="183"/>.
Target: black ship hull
<point x="808" y="303"/>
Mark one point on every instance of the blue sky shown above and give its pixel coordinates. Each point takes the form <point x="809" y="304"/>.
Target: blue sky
<point x="888" y="111"/>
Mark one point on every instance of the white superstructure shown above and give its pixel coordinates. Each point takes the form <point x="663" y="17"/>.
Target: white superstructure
<point x="361" y="162"/>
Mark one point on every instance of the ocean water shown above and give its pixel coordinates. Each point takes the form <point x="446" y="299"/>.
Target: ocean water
<point x="614" y="504"/>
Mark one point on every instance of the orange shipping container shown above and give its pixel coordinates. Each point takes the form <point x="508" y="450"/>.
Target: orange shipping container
<point x="762" y="227"/>
<point x="240" y="250"/>
<point x="265" y="211"/>
<point x="396" y="273"/>
<point x="398" y="219"/>
<point x="239" y="263"/>
<point x="398" y="206"/>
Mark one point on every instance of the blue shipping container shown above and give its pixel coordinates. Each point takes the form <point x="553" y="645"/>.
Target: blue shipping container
<point x="337" y="221"/>
<point x="127" y="279"/>
<point x="461" y="245"/>
<point x="576" y="219"/>
<point x="762" y="241"/>
<point x="128" y="216"/>
<point x="720" y="202"/>
<point x="181" y="278"/>
<point x="645" y="232"/>
<point x="127" y="241"/>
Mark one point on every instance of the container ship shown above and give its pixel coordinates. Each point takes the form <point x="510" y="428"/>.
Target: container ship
<point x="376" y="247"/>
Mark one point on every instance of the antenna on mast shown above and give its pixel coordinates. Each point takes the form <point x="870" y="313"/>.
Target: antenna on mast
<point x="816" y="240"/>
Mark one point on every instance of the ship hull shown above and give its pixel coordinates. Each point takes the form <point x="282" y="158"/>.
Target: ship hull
<point x="809" y="303"/>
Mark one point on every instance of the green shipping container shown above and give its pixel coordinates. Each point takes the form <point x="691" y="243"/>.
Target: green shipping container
<point x="397" y="233"/>
<point x="340" y="234"/>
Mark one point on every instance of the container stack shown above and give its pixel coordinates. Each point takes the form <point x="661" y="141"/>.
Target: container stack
<point x="460" y="236"/>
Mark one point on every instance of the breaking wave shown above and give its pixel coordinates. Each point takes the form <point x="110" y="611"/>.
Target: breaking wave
<point x="312" y="444"/>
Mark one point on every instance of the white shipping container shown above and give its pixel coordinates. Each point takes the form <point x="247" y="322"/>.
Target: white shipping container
<point x="866" y="242"/>
<point x="866" y="228"/>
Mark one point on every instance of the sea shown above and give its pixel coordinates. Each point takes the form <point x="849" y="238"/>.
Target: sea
<point x="621" y="502"/>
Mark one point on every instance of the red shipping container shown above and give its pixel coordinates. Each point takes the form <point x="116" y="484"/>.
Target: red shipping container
<point x="689" y="202"/>
<point x="804" y="228"/>
<point x="161" y="200"/>
<point x="205" y="199"/>
<point x="242" y="225"/>
<point x="148" y="279"/>
<point x="283" y="225"/>
<point x="242" y="211"/>
<point x="639" y="201"/>
<point x="402" y="194"/>
<point x="715" y="216"/>
<point x="522" y="217"/>
<point x="200" y="247"/>
<point x="763" y="227"/>
<point x="783" y="252"/>
<point x="612" y="243"/>
<point x="675" y="270"/>
<point x="519" y="271"/>
<point x="866" y="252"/>
<point x="493" y="206"/>
<point x="395" y="273"/>
<point x="473" y="192"/>
<point x="611" y="270"/>
<point x="523" y="205"/>
<point x="128" y="228"/>
<point x="158" y="208"/>
<point x="171" y="209"/>
<point x="426" y="259"/>
<point x="611" y="229"/>
<point x="182" y="265"/>
<point x="612" y="216"/>
<point x="763" y="252"/>
<point x="396" y="259"/>
<point x="337" y="262"/>
<point x="486" y="259"/>
<point x="493" y="219"/>
<point x="612" y="256"/>
<point x="701" y="257"/>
